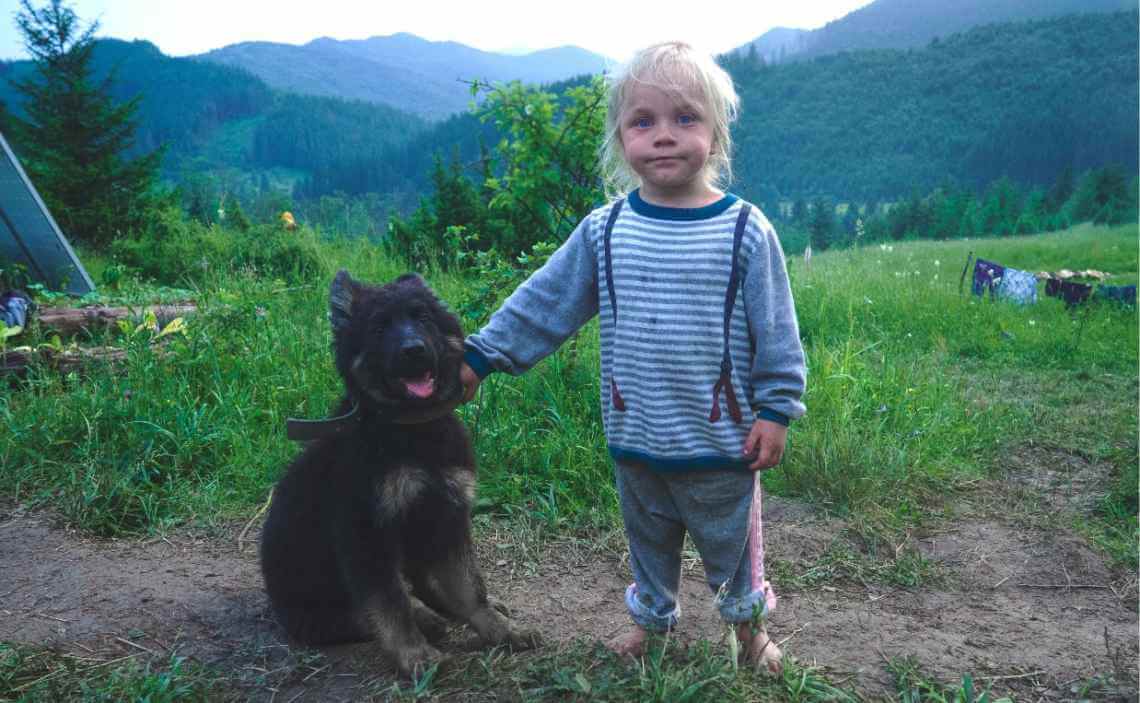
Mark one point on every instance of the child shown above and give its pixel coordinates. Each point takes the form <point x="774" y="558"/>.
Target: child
<point x="664" y="267"/>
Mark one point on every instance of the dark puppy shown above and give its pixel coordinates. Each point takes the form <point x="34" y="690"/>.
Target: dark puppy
<point x="384" y="501"/>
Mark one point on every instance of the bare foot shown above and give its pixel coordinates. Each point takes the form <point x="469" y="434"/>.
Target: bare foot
<point x="630" y="643"/>
<point x="759" y="650"/>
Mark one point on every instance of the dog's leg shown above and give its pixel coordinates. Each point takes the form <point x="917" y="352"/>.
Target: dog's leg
<point x="454" y="586"/>
<point x="429" y="621"/>
<point x="386" y="606"/>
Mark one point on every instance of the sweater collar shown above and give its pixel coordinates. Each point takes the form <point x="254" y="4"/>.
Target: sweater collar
<point x="660" y="212"/>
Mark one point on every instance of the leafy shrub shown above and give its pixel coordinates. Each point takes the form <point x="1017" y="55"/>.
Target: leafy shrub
<point x="175" y="250"/>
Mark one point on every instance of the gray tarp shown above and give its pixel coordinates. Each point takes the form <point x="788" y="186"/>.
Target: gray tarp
<point x="29" y="235"/>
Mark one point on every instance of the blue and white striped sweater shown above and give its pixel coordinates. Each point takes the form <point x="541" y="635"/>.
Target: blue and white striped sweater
<point x="671" y="268"/>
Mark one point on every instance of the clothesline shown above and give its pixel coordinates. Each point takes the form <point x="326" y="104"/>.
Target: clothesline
<point x="1008" y="283"/>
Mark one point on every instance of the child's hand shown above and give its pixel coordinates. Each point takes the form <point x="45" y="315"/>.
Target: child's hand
<point x="765" y="444"/>
<point x="470" y="381"/>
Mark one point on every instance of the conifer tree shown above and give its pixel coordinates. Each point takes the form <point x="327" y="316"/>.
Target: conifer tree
<point x="75" y="137"/>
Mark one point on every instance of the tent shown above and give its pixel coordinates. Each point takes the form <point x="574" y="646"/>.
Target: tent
<point x="29" y="235"/>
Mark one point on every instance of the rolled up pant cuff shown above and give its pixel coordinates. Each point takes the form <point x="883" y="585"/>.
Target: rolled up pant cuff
<point x="646" y="618"/>
<point x="738" y="610"/>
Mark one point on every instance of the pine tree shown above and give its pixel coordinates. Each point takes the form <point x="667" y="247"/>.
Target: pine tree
<point x="75" y="137"/>
<point x="822" y="224"/>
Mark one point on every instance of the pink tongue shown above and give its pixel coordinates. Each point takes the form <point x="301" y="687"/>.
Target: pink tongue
<point x="421" y="387"/>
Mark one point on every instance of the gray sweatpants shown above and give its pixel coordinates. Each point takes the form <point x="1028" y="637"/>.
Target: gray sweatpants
<point x="716" y="508"/>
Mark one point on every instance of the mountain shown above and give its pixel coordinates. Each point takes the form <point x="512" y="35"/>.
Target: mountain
<point x="777" y="44"/>
<point x="212" y="117"/>
<point x="901" y="24"/>
<point x="1024" y="99"/>
<point x="424" y="77"/>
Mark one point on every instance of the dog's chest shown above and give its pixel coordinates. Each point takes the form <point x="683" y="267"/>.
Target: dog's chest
<point x="406" y="488"/>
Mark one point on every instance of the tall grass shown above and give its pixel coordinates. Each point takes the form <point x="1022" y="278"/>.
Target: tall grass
<point x="898" y="409"/>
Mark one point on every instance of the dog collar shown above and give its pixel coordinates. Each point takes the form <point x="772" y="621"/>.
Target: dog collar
<point x="308" y="430"/>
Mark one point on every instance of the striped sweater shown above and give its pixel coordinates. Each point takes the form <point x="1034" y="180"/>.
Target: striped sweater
<point x="671" y="268"/>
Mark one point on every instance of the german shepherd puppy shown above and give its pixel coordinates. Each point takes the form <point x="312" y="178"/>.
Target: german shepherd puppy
<point x="379" y="510"/>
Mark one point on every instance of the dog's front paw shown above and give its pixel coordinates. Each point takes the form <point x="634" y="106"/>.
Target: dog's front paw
<point x="414" y="661"/>
<point x="520" y="638"/>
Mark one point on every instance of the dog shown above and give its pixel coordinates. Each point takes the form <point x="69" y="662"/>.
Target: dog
<point x="369" y="531"/>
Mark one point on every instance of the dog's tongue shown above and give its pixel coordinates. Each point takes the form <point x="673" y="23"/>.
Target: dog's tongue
<point x="420" y="387"/>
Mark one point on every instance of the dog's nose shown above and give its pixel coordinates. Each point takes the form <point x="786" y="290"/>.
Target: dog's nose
<point x="413" y="349"/>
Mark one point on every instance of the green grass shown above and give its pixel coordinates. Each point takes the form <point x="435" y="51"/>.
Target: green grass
<point x="34" y="674"/>
<point x="901" y="407"/>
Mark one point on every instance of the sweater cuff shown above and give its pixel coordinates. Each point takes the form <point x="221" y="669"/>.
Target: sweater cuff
<point x="767" y="414"/>
<point x="478" y="363"/>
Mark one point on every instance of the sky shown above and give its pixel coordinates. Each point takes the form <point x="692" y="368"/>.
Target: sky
<point x="612" y="28"/>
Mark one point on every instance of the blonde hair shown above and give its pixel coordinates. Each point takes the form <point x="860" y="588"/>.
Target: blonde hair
<point x="677" y="69"/>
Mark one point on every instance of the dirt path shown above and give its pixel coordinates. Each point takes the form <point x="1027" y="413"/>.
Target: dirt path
<point x="1036" y="608"/>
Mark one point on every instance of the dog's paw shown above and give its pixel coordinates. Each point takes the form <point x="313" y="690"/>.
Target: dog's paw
<point x="521" y="639"/>
<point x="414" y="661"/>
<point x="499" y="606"/>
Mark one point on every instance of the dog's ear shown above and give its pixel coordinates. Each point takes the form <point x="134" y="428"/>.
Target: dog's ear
<point x="413" y="278"/>
<point x="341" y="294"/>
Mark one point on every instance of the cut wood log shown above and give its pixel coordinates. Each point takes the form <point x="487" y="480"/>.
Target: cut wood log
<point x="17" y="360"/>
<point x="93" y="318"/>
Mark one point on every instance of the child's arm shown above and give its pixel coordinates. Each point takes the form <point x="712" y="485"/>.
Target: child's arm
<point x="778" y="372"/>
<point x="541" y="314"/>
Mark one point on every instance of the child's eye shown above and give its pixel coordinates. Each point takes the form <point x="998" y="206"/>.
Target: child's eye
<point x="686" y="119"/>
<point x="642" y="123"/>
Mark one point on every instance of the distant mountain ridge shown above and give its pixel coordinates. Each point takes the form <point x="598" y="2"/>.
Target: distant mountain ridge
<point x="424" y="77"/>
<point x="903" y="24"/>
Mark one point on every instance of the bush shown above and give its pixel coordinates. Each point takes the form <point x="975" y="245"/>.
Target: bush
<point x="173" y="250"/>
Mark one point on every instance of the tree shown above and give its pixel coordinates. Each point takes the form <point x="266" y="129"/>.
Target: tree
<point x="822" y="224"/>
<point x="75" y="138"/>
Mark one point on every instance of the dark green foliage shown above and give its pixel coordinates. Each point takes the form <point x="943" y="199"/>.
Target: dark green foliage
<point x="822" y="224"/>
<point x="537" y="185"/>
<point x="1024" y="101"/>
<point x="1103" y="196"/>
<point x="174" y="251"/>
<point x="348" y="146"/>
<point x="75" y="137"/>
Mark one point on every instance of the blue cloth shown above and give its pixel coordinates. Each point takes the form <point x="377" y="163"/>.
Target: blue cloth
<point x="14" y="308"/>
<point x="987" y="277"/>
<point x="1125" y="295"/>
<point x="1018" y="286"/>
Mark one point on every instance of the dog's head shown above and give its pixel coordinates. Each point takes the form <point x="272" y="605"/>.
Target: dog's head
<point x="396" y="345"/>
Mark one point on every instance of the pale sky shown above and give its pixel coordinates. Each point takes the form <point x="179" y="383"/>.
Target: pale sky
<point x="614" y="28"/>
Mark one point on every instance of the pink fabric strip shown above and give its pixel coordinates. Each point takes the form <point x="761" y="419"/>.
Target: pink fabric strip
<point x="756" y="545"/>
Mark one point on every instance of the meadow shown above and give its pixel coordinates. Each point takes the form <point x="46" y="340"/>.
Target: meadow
<point x="918" y="393"/>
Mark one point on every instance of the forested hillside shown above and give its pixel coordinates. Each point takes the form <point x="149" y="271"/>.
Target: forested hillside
<point x="1024" y="100"/>
<point x="901" y="24"/>
<point x="211" y="116"/>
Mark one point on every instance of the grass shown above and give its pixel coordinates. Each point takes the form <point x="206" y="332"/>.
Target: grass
<point x="31" y="674"/>
<point x="900" y="364"/>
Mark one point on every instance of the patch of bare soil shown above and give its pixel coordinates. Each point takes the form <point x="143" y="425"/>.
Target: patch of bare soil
<point x="1027" y="611"/>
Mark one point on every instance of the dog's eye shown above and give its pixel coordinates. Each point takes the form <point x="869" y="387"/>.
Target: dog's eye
<point x="423" y="316"/>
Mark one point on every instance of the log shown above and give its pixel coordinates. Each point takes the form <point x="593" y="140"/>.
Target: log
<point x="17" y="360"/>
<point x="93" y="318"/>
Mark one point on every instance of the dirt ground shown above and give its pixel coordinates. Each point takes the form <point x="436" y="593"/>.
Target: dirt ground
<point x="1032" y="612"/>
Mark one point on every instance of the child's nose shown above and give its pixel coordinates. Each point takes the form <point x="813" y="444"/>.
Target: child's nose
<point x="663" y="135"/>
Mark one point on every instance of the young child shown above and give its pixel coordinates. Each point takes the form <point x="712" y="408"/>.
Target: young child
<point x="697" y="388"/>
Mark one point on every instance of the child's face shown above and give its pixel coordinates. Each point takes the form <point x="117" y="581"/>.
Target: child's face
<point x="667" y="140"/>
